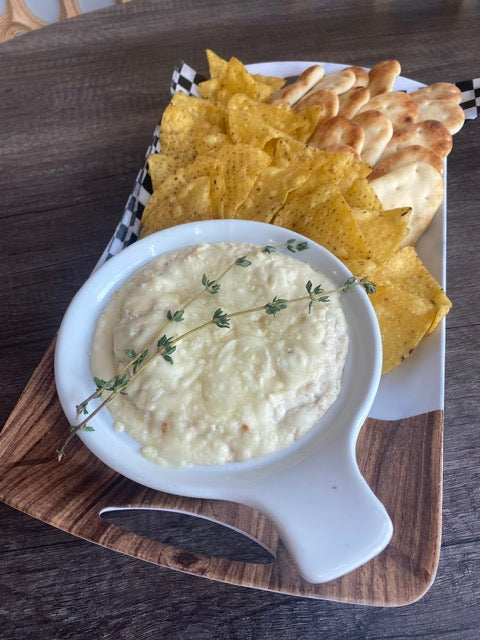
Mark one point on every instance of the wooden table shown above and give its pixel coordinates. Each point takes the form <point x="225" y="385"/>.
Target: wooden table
<point x="79" y="101"/>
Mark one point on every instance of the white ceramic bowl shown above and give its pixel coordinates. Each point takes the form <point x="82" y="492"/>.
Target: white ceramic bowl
<point x="327" y="516"/>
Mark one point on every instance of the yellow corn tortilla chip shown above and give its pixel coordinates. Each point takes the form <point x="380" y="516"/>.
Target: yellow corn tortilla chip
<point x="404" y="319"/>
<point x="443" y="305"/>
<point x="357" y="170"/>
<point x="336" y="168"/>
<point x="383" y="230"/>
<point x="362" y="268"/>
<point x="272" y="81"/>
<point x="217" y="67"/>
<point x="186" y="119"/>
<point x="210" y="89"/>
<point x="210" y="142"/>
<point x="234" y="79"/>
<point x="405" y="270"/>
<point x="288" y="151"/>
<point x="329" y="222"/>
<point x="238" y="80"/>
<point x="361" y="195"/>
<point x="257" y="133"/>
<point x="299" y="125"/>
<point x="271" y="190"/>
<point x="237" y="168"/>
<point x="409" y="302"/>
<point x="160" y="166"/>
<point x="189" y="201"/>
<point x="183" y="196"/>
<point x="326" y="171"/>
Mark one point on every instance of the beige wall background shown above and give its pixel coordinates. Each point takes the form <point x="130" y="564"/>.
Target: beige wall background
<point x="21" y="16"/>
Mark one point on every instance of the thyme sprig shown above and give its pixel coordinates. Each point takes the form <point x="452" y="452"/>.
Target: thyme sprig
<point x="166" y="346"/>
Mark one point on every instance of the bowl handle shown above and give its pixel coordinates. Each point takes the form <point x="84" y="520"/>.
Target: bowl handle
<point x="329" y="519"/>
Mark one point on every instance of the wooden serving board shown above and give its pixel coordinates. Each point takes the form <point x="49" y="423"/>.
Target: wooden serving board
<point x="401" y="461"/>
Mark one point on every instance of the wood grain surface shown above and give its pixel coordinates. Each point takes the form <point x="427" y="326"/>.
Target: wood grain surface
<point x="79" y="102"/>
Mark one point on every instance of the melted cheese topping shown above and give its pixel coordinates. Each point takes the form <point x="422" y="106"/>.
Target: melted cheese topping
<point x="231" y="394"/>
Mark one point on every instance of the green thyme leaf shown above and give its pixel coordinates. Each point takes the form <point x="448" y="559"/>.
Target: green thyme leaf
<point x="221" y="319"/>
<point x="119" y="383"/>
<point x="370" y="287"/>
<point x="82" y="408"/>
<point x="314" y="293"/>
<point x="177" y="316"/>
<point x="294" y="246"/>
<point x="349" y="284"/>
<point x="243" y="262"/>
<point x="100" y="383"/>
<point x="276" y="305"/>
<point x="212" y="286"/>
<point x="164" y="343"/>
<point x="165" y="348"/>
<point x="139" y="360"/>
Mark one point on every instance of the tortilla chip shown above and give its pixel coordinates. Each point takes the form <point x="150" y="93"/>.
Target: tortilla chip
<point x="270" y="191"/>
<point x="186" y="119"/>
<point x="288" y="151"/>
<point x="365" y="268"/>
<point x="160" y="166"/>
<point x="236" y="170"/>
<point x="405" y="270"/>
<point x="361" y="195"/>
<point x="383" y="230"/>
<point x="234" y="78"/>
<point x="329" y="223"/>
<point x="272" y="81"/>
<point x="242" y="129"/>
<point x="217" y="66"/>
<point x="281" y="117"/>
<point x="404" y="319"/>
<point x="188" y="201"/>
<point x="210" y="142"/>
<point x="409" y="302"/>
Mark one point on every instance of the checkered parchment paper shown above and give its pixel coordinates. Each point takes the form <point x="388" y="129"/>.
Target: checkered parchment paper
<point x="186" y="79"/>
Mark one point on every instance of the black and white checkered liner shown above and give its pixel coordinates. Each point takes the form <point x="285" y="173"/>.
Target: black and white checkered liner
<point x="186" y="79"/>
<point x="470" y="102"/>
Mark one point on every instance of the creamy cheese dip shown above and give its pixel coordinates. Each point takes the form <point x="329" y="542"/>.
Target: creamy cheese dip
<point x="231" y="394"/>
